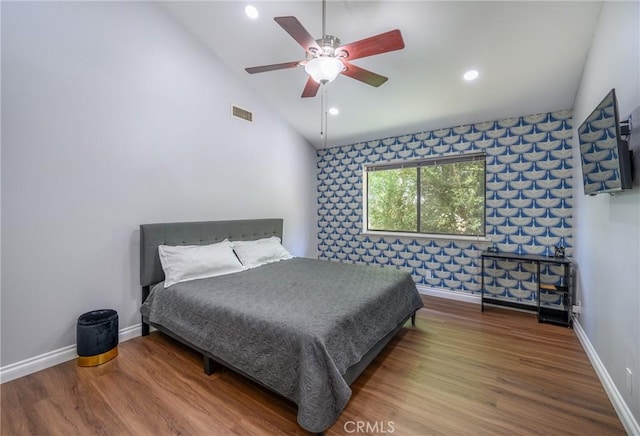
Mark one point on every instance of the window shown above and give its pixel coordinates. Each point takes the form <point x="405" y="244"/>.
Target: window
<point x="444" y="195"/>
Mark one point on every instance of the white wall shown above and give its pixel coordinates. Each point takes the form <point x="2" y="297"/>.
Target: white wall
<point x="607" y="228"/>
<point x="113" y="116"/>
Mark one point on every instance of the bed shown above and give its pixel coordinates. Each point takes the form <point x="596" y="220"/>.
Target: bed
<point x="303" y="328"/>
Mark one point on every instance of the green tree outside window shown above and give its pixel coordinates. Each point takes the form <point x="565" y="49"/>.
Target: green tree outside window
<point x="447" y="197"/>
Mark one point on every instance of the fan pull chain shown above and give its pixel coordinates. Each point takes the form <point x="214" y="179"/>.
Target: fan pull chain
<point x="323" y="114"/>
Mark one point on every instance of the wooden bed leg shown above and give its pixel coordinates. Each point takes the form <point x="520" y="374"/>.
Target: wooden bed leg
<point x="208" y="365"/>
<point x="413" y="319"/>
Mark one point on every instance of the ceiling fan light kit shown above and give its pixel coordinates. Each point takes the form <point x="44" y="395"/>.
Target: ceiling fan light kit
<point x="324" y="69"/>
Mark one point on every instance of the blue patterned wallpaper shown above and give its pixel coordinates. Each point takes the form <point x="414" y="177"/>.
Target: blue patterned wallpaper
<point x="529" y="204"/>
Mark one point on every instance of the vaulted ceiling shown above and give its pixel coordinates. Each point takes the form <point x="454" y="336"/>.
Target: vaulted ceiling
<point x="530" y="57"/>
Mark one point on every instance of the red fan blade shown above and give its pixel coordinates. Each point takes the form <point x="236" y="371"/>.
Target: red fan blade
<point x="293" y="27"/>
<point x="373" y="45"/>
<point x="311" y="88"/>
<point x="363" y="75"/>
<point x="263" y="68"/>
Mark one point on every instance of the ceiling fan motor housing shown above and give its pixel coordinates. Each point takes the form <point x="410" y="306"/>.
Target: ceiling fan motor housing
<point x="328" y="45"/>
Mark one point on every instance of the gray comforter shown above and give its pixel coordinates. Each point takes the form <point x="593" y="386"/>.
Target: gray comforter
<point x="294" y="325"/>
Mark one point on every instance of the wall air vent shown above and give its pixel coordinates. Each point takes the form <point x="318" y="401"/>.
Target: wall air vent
<point x="243" y="114"/>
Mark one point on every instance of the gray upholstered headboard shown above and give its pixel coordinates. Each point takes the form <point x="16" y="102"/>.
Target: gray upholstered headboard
<point x="196" y="233"/>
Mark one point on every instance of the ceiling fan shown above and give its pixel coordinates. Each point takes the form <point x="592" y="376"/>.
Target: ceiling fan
<point x="326" y="58"/>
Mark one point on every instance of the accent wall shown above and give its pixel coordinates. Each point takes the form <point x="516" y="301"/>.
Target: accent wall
<point x="529" y="205"/>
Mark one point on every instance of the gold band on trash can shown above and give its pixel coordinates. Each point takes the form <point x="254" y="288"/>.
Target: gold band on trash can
<point x="98" y="359"/>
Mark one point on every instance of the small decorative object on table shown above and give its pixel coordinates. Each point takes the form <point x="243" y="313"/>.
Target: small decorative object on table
<point x="559" y="251"/>
<point x="97" y="337"/>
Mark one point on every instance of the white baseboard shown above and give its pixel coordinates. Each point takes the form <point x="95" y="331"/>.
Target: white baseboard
<point x="130" y="332"/>
<point x="624" y="413"/>
<point x="451" y="295"/>
<point x="55" y="357"/>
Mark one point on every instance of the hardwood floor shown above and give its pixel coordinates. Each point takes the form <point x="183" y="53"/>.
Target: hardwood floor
<point x="458" y="372"/>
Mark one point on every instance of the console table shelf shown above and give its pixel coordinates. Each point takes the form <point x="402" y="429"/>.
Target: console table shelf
<point x="554" y="315"/>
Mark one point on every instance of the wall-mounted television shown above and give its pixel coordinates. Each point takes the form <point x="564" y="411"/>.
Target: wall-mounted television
<point x="604" y="151"/>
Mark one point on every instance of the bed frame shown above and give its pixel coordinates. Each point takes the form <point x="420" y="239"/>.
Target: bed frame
<point x="210" y="232"/>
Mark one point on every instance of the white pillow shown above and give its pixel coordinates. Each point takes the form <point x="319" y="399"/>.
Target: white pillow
<point x="189" y="262"/>
<point x="260" y="252"/>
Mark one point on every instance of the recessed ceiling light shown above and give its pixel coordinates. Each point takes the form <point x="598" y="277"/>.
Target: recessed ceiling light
<point x="334" y="111"/>
<point x="471" y="75"/>
<point x="251" y="12"/>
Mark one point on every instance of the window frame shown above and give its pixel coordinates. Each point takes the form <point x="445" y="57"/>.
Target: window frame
<point x="417" y="163"/>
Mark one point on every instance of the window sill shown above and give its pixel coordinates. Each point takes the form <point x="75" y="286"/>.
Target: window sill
<point x="427" y="236"/>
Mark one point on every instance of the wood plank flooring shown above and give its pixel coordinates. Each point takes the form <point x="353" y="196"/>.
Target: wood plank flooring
<point x="458" y="372"/>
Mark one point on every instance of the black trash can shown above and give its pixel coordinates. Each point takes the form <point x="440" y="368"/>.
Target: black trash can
<point x="97" y="337"/>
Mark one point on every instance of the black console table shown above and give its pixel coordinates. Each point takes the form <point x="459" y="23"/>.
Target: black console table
<point x="545" y="314"/>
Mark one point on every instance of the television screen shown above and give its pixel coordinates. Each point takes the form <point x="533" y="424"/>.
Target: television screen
<point x="604" y="154"/>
